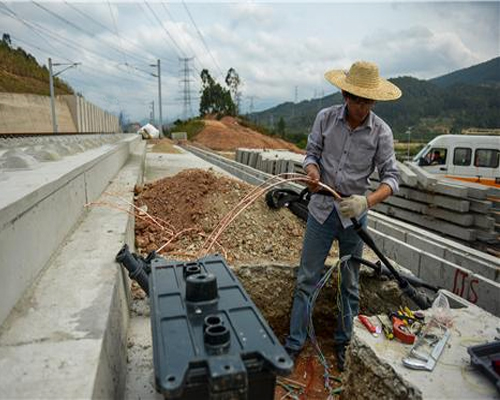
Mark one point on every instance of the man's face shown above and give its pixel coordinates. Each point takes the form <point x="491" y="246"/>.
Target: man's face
<point x="358" y="107"/>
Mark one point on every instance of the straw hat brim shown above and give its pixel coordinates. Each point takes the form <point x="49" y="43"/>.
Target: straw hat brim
<point x="384" y="91"/>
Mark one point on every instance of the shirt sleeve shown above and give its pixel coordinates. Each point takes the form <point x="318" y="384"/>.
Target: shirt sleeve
<point x="385" y="160"/>
<point x="314" y="146"/>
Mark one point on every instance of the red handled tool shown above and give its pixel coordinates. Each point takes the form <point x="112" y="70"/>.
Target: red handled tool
<point x="401" y="330"/>
<point x="368" y="325"/>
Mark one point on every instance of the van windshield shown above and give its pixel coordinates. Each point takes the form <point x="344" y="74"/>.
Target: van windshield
<point x="422" y="153"/>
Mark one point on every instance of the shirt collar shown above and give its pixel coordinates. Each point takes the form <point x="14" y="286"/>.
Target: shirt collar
<point x="368" y="121"/>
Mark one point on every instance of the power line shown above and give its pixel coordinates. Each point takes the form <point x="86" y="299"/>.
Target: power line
<point x="116" y="30"/>
<point x="74" y="26"/>
<point x="202" y="38"/>
<point x="164" y="29"/>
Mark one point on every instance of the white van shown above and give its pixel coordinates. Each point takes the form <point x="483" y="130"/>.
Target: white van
<point x="464" y="157"/>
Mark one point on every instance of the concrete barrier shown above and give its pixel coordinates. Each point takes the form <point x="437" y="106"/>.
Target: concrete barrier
<point x="38" y="208"/>
<point x="68" y="335"/>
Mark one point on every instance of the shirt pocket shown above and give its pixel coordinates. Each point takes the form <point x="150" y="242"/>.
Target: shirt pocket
<point x="361" y="156"/>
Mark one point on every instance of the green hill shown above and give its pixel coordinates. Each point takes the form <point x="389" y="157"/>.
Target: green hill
<point x="485" y="74"/>
<point x="21" y="73"/>
<point x="461" y="100"/>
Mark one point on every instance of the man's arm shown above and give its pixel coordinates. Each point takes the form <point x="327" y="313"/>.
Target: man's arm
<point x="379" y="195"/>
<point x="313" y="153"/>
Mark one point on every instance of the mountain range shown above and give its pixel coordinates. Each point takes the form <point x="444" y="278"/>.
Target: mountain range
<point x="467" y="98"/>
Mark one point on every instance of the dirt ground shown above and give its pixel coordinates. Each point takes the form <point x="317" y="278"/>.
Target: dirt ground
<point x="189" y="206"/>
<point x="229" y="134"/>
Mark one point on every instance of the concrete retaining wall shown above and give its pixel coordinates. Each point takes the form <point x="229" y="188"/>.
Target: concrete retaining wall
<point x="40" y="208"/>
<point x="29" y="113"/>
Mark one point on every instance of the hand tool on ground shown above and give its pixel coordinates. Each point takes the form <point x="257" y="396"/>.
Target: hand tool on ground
<point x="386" y="329"/>
<point x="368" y="325"/>
<point x="426" y="351"/>
<point x="401" y="331"/>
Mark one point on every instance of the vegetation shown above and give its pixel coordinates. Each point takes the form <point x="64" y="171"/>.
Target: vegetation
<point x="192" y="127"/>
<point x="464" y="99"/>
<point x="21" y="73"/>
<point x="214" y="98"/>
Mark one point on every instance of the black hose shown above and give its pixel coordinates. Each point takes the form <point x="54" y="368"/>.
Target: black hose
<point x="419" y="298"/>
<point x="381" y="269"/>
<point x="136" y="267"/>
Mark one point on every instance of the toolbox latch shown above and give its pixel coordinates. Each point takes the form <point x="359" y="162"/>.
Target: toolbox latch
<point x="227" y="378"/>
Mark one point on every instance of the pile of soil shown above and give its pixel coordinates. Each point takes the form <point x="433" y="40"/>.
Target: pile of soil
<point x="229" y="134"/>
<point x="192" y="203"/>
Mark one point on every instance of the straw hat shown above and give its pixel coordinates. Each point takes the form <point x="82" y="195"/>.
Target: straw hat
<point x="363" y="80"/>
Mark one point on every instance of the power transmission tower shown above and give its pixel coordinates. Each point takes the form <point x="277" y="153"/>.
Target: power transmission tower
<point x="186" y="80"/>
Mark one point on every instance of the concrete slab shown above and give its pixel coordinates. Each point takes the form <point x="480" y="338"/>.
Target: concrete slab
<point x="67" y="337"/>
<point x="39" y="207"/>
<point x="375" y="370"/>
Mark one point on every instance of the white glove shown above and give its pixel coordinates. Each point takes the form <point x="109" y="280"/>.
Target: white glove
<point x="353" y="206"/>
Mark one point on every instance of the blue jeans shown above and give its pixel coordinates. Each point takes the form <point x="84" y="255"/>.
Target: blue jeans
<point x="318" y="241"/>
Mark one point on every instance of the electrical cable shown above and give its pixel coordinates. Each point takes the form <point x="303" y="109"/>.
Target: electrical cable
<point x="310" y="308"/>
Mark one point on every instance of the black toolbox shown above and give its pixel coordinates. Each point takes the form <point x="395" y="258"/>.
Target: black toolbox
<point x="209" y="339"/>
<point x="486" y="357"/>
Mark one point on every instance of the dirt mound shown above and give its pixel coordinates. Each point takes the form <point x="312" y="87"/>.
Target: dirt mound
<point x="190" y="205"/>
<point x="229" y="134"/>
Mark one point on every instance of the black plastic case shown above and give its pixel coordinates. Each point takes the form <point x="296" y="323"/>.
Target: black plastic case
<point x="209" y="339"/>
<point x="482" y="356"/>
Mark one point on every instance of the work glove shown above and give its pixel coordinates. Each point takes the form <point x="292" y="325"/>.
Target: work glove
<point x="353" y="206"/>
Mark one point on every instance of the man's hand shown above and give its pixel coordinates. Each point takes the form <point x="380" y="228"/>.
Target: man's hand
<point x="313" y="174"/>
<point x="353" y="206"/>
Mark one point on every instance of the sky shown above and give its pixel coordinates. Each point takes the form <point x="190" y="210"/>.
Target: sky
<point x="280" y="49"/>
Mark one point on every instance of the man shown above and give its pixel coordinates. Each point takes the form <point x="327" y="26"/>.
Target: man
<point x="345" y="145"/>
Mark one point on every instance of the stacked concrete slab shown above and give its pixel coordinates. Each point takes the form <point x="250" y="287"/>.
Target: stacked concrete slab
<point x="471" y="274"/>
<point x="273" y="162"/>
<point x="464" y="211"/>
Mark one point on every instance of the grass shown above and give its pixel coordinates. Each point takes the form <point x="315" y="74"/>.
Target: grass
<point x="192" y="127"/>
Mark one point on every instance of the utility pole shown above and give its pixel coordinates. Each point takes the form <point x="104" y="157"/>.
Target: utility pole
<point x="51" y="83"/>
<point x="152" y="114"/>
<point x="186" y="93"/>
<point x="158" y="75"/>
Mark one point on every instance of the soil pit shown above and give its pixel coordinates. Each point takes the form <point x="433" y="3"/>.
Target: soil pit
<point x="262" y="245"/>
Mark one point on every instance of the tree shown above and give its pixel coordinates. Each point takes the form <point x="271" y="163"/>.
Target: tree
<point x="214" y="98"/>
<point x="280" y="129"/>
<point x="233" y="82"/>
<point x="6" y="39"/>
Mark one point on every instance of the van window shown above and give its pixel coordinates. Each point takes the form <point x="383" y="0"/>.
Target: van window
<point x="436" y="156"/>
<point x="462" y="156"/>
<point x="486" y="158"/>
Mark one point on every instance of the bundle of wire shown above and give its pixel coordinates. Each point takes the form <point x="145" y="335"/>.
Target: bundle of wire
<point x="310" y="307"/>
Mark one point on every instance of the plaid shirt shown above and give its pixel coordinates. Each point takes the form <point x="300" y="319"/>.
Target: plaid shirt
<point x="346" y="157"/>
